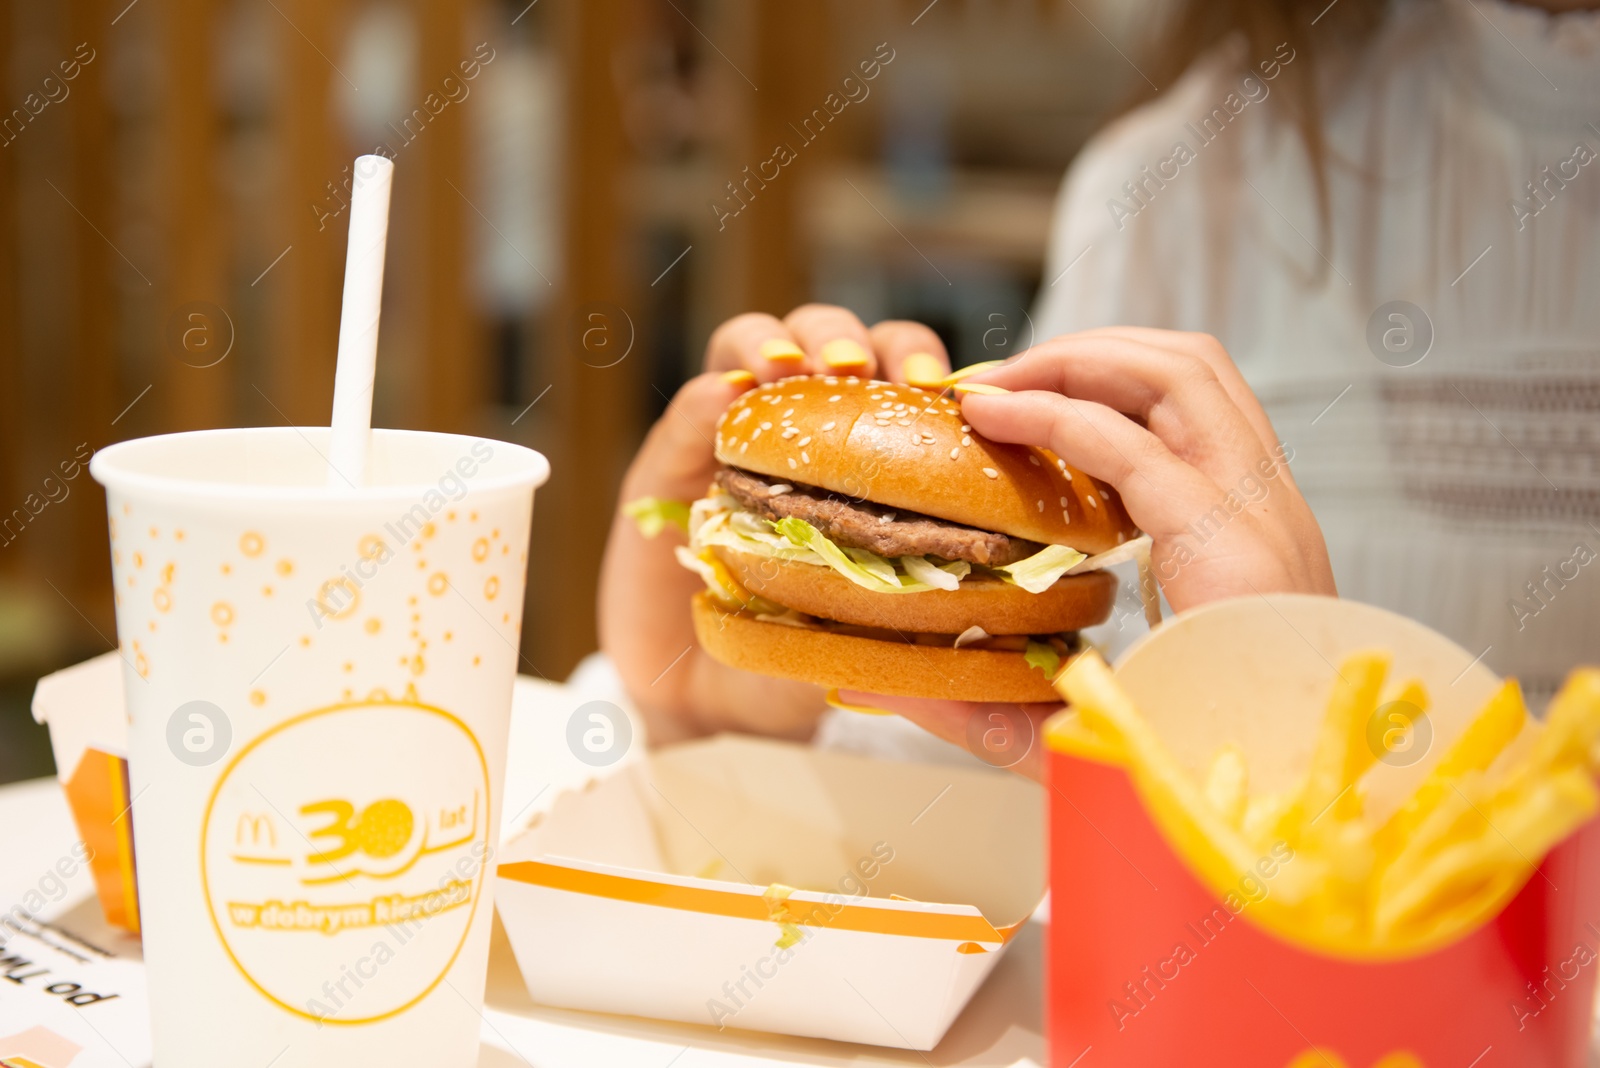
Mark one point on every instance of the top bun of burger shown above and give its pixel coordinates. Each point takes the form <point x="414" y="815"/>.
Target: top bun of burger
<point x="906" y="447"/>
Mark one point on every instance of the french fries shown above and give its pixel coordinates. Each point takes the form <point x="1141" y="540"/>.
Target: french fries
<point x="1495" y="727"/>
<point x="1221" y="853"/>
<point x="1519" y="833"/>
<point x="1571" y="728"/>
<point x="1227" y="786"/>
<point x="1448" y="858"/>
<point x="1413" y="695"/>
<point x="1343" y="739"/>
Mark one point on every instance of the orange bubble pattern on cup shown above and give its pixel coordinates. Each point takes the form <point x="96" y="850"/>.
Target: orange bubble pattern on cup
<point x="253" y="580"/>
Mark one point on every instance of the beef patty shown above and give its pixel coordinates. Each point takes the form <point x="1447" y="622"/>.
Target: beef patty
<point x="864" y="525"/>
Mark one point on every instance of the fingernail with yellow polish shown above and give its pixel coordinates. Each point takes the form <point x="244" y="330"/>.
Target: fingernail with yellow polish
<point x="970" y="370"/>
<point x="779" y="350"/>
<point x="842" y="354"/>
<point x="981" y="388"/>
<point x="739" y="377"/>
<point x="834" y="702"/>
<point x="923" y="369"/>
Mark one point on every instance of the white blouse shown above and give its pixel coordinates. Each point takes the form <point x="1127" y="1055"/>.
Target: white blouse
<point x="1449" y="444"/>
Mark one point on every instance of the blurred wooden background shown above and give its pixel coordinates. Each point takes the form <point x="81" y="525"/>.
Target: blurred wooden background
<point x="172" y="235"/>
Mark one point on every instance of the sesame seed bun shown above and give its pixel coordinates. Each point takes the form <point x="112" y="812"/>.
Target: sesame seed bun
<point x="873" y="665"/>
<point x="1074" y="602"/>
<point x="907" y="447"/>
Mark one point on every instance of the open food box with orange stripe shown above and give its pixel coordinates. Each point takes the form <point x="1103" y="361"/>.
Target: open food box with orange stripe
<point x="86" y="712"/>
<point x="1298" y="832"/>
<point x="769" y="886"/>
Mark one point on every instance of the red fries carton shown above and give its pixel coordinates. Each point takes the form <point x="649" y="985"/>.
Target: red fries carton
<point x="1429" y="898"/>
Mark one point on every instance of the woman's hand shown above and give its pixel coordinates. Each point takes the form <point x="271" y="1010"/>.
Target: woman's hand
<point x="645" y="626"/>
<point x="1166" y="419"/>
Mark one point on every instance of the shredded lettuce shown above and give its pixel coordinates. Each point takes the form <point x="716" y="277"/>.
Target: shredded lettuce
<point x="652" y="514"/>
<point x="1040" y="571"/>
<point x="1137" y="550"/>
<point x="867" y="570"/>
<point x="1128" y="550"/>
<point x="753" y="526"/>
<point x="1041" y="656"/>
<point x="718" y="520"/>
<point x="874" y="563"/>
<point x="924" y="570"/>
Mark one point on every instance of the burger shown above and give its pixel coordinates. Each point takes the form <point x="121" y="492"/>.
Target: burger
<point x="860" y="536"/>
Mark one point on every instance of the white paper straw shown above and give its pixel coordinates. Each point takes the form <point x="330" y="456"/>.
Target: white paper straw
<point x="358" y="321"/>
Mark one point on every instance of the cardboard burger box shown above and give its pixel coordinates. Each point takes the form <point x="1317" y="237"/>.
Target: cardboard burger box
<point x="770" y="886"/>
<point x="1151" y="964"/>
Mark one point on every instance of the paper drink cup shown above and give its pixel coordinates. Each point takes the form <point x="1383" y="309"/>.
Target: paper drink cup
<point x="318" y="687"/>
<point x="1148" y="964"/>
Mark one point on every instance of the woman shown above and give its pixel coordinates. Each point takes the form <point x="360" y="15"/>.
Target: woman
<point x="1383" y="218"/>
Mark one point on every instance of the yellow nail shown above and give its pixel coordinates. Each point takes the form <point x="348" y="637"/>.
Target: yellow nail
<point x="867" y="710"/>
<point x="968" y="371"/>
<point x="739" y="377"/>
<point x="842" y="354"/>
<point x="923" y="369"/>
<point x="779" y="350"/>
<point x="980" y="388"/>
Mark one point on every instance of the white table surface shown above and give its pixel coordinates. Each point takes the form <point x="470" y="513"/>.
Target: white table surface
<point x="1002" y="1027"/>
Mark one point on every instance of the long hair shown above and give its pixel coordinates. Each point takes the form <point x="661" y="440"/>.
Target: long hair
<point x="1319" y="31"/>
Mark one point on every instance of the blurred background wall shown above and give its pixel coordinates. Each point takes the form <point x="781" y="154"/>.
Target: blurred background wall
<point x="583" y="191"/>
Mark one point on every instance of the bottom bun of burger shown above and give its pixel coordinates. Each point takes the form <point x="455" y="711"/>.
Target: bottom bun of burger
<point x="874" y="665"/>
